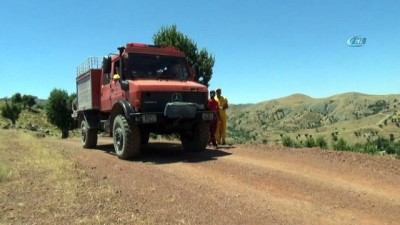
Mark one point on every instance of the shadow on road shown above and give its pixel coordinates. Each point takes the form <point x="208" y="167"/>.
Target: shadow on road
<point x="163" y="153"/>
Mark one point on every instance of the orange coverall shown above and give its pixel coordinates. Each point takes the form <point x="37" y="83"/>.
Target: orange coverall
<point x="221" y="128"/>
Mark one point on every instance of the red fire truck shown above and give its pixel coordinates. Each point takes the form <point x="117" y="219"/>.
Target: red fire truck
<point x="140" y="90"/>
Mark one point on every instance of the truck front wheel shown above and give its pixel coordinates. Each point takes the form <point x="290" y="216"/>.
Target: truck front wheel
<point x="89" y="136"/>
<point x="196" y="140"/>
<point x="126" y="138"/>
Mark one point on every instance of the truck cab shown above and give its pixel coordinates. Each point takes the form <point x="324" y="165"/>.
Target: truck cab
<point x="140" y="90"/>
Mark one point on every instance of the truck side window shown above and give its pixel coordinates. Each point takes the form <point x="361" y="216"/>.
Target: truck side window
<point x="106" y="78"/>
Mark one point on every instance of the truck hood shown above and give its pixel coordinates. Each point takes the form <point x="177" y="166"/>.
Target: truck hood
<point x="166" y="85"/>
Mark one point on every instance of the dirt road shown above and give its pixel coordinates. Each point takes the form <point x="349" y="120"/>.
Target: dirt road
<point x="252" y="185"/>
<point x="235" y="185"/>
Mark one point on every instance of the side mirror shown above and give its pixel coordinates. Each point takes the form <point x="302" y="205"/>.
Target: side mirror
<point x="121" y="50"/>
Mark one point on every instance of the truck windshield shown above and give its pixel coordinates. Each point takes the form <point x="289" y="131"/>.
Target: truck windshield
<point x="156" y="67"/>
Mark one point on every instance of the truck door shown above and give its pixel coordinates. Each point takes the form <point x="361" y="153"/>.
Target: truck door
<point x="105" y="97"/>
<point x="116" y="92"/>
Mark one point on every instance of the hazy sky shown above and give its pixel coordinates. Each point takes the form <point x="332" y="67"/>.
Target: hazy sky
<point x="264" y="49"/>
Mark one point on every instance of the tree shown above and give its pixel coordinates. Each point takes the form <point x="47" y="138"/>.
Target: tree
<point x="58" y="111"/>
<point x="11" y="112"/>
<point x="203" y="60"/>
<point x="16" y="98"/>
<point x="28" y="100"/>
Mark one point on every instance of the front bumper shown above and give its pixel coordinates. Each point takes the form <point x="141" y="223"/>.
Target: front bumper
<point x="158" y="117"/>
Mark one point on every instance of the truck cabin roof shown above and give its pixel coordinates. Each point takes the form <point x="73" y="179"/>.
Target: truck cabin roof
<point x="153" y="50"/>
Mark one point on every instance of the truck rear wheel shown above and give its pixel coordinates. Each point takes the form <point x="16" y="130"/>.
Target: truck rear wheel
<point x="126" y="138"/>
<point x="197" y="139"/>
<point x="89" y="136"/>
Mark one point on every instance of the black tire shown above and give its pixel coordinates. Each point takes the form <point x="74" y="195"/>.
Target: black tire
<point x="126" y="138"/>
<point x="197" y="139"/>
<point x="144" y="138"/>
<point x="89" y="136"/>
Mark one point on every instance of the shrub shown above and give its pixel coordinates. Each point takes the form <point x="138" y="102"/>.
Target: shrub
<point x="334" y="137"/>
<point x="370" y="148"/>
<point x="357" y="148"/>
<point x="153" y="136"/>
<point x="397" y="152"/>
<point x="287" y="142"/>
<point x="297" y="144"/>
<point x="383" y="144"/>
<point x="310" y="142"/>
<point x="391" y="137"/>
<point x="341" y="145"/>
<point x="320" y="142"/>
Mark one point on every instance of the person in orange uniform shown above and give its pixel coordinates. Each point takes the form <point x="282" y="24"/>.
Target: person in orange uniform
<point x="221" y="128"/>
<point x="213" y="106"/>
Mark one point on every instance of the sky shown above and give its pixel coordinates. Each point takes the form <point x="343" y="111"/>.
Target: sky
<point x="263" y="50"/>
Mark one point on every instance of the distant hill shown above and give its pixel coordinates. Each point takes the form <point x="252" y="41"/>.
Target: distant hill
<point x="354" y="116"/>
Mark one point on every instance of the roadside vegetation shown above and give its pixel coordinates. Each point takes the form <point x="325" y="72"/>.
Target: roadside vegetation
<point x="29" y="113"/>
<point x="379" y="146"/>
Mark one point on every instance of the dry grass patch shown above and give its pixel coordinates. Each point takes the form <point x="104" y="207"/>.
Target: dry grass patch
<point x="41" y="185"/>
<point x="4" y="171"/>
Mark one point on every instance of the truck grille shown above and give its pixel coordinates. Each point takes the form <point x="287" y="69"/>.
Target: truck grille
<point x="156" y="101"/>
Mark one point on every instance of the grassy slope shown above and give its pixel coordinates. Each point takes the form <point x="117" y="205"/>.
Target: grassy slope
<point x="297" y="114"/>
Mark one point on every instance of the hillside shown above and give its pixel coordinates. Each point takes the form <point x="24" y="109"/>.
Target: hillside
<point x="356" y="117"/>
<point x="34" y="120"/>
